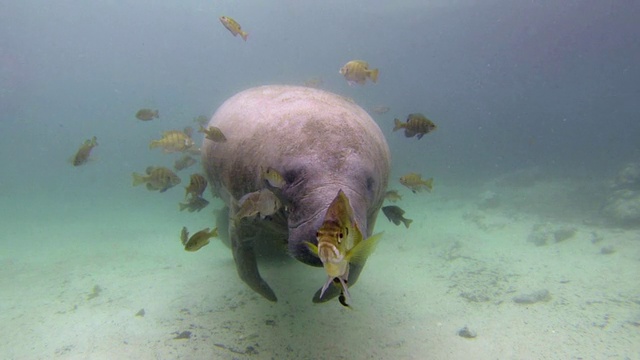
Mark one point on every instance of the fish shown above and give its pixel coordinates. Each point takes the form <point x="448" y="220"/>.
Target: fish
<point x="233" y="27"/>
<point x="157" y="178"/>
<point x="392" y="195"/>
<point x="82" y="155"/>
<point x="381" y="109"/>
<point x="395" y="215"/>
<point x="173" y="141"/>
<point x="147" y="114"/>
<point x="188" y="130"/>
<point x="273" y="178"/>
<point x="197" y="240"/>
<point x="415" y="182"/>
<point x="213" y="133"/>
<point x="201" y="120"/>
<point x="262" y="202"/>
<point x="357" y="72"/>
<point x="416" y="124"/>
<point x="340" y="242"/>
<point x="196" y="187"/>
<point x="195" y="203"/>
<point x="184" y="162"/>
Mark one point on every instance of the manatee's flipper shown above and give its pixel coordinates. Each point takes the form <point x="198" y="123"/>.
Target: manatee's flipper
<point x="245" y="259"/>
<point x="333" y="291"/>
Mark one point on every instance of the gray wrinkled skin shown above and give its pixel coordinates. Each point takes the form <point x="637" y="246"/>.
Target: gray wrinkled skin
<point x="320" y="142"/>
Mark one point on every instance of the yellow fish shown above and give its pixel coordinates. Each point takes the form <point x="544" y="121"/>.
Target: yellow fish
<point x="233" y="27"/>
<point x="263" y="202"/>
<point x="196" y="203"/>
<point x="357" y="72"/>
<point x="417" y="124"/>
<point x="396" y="215"/>
<point x="173" y="141"/>
<point x="184" y="162"/>
<point x="340" y="242"/>
<point x="157" y="178"/>
<point x="84" y="151"/>
<point x="147" y="114"/>
<point x="392" y="195"/>
<point x="197" y="240"/>
<point x="196" y="186"/>
<point x="416" y="183"/>
<point x="213" y="133"/>
<point x="273" y="178"/>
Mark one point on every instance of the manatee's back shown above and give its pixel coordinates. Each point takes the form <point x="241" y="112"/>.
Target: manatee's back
<point x="281" y="126"/>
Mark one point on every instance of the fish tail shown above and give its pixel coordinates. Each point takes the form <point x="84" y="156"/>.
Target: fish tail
<point x="397" y="124"/>
<point x="137" y="179"/>
<point x="156" y="114"/>
<point x="154" y="144"/>
<point x="244" y="35"/>
<point x="429" y="184"/>
<point x="182" y="206"/>
<point x="373" y="74"/>
<point x="407" y="222"/>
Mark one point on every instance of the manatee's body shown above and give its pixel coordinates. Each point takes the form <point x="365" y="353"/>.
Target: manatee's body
<point x="320" y="143"/>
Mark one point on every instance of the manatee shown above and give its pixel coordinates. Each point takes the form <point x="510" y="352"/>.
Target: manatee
<point x="320" y="143"/>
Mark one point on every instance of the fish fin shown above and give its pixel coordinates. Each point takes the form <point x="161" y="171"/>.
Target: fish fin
<point x="360" y="252"/>
<point x="325" y="286"/>
<point x="407" y="222"/>
<point x="312" y="247"/>
<point x="351" y="83"/>
<point x="429" y="184"/>
<point x="373" y="74"/>
<point x="409" y="133"/>
<point x="420" y="136"/>
<point x="183" y="206"/>
<point x="137" y="179"/>
<point x="397" y="124"/>
<point x="154" y="144"/>
<point x="244" y="35"/>
<point x="156" y="114"/>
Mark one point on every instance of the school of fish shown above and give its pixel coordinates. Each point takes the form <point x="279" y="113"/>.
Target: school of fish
<point x="339" y="239"/>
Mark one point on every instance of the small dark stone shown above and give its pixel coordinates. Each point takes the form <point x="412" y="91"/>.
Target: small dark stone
<point x="270" y="322"/>
<point x="183" y="335"/>
<point x="606" y="250"/>
<point x="465" y="332"/>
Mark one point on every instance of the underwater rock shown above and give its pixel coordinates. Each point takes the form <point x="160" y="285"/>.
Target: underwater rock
<point x="543" y="232"/>
<point x="563" y="234"/>
<point x="622" y="204"/>
<point x="623" y="207"/>
<point x="606" y="250"/>
<point x="627" y="178"/>
<point x="465" y="332"/>
<point x="532" y="298"/>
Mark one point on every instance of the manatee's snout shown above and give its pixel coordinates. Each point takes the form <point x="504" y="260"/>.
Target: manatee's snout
<point x="300" y="235"/>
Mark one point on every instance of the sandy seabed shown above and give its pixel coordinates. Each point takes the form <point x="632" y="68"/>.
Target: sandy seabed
<point x="115" y="283"/>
